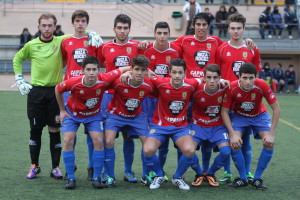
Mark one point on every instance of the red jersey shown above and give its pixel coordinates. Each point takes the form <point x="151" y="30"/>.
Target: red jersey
<point x="115" y="55"/>
<point x="74" y="50"/>
<point x="126" y="101"/>
<point x="248" y="103"/>
<point x="198" y="54"/>
<point x="160" y="60"/>
<point x="230" y="59"/>
<point x="85" y="101"/>
<point x="171" y="109"/>
<point x="206" y="108"/>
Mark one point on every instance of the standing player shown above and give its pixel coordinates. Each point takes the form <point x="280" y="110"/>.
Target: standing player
<point x="230" y="56"/>
<point x="207" y="124"/>
<point x="125" y="112"/>
<point x="170" y="120"/>
<point x="244" y="100"/>
<point x="83" y="106"/>
<point x="74" y="50"/>
<point x="160" y="53"/>
<point x="116" y="54"/>
<point x="42" y="108"/>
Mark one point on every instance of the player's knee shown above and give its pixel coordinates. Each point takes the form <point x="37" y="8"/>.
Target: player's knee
<point x="98" y="143"/>
<point x="188" y="150"/>
<point x="148" y="150"/>
<point x="68" y="143"/>
<point x="109" y="142"/>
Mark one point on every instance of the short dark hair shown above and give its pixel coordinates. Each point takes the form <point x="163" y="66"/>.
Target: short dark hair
<point x="141" y="61"/>
<point x="90" y="60"/>
<point x="122" y="18"/>
<point x="161" y="25"/>
<point x="266" y="64"/>
<point x="80" y="13"/>
<point x="213" y="68"/>
<point x="279" y="64"/>
<point x="203" y="16"/>
<point x="178" y="62"/>
<point x="237" y="18"/>
<point x="47" y="16"/>
<point x="291" y="66"/>
<point x="248" y="68"/>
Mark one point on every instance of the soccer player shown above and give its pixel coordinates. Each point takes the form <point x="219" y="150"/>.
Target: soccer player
<point x="244" y="100"/>
<point x="83" y="106"/>
<point x="207" y="125"/>
<point x="42" y="107"/>
<point x="230" y="56"/>
<point x="160" y="53"/>
<point x="116" y="54"/>
<point x="170" y="120"/>
<point x="125" y="112"/>
<point x="74" y="50"/>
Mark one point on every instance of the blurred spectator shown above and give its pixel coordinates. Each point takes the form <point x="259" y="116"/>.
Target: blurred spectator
<point x="191" y="8"/>
<point x="232" y="10"/>
<point x="266" y="74"/>
<point x="207" y="1"/>
<point x="24" y="37"/>
<point x="290" y="79"/>
<point x="271" y="1"/>
<point x="221" y="19"/>
<point x="290" y="20"/>
<point x="264" y="23"/>
<point x="278" y="77"/>
<point x="175" y="1"/>
<point x="211" y="18"/>
<point x="58" y="31"/>
<point x="276" y="21"/>
<point x="252" y="2"/>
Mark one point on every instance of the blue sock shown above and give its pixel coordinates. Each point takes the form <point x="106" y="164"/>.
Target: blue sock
<point x="98" y="160"/>
<point x="238" y="159"/>
<point x="196" y="165"/>
<point x="144" y="167"/>
<point x="179" y="154"/>
<point x="152" y="164"/>
<point x="109" y="161"/>
<point x="206" y="155"/>
<point x="183" y="164"/>
<point x="69" y="160"/>
<point x="163" y="152"/>
<point x="128" y="151"/>
<point x="220" y="159"/>
<point x="90" y="145"/>
<point x="227" y="165"/>
<point x="247" y="149"/>
<point x="263" y="162"/>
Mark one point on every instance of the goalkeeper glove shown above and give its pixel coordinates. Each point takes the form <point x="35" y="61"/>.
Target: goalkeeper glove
<point x="23" y="86"/>
<point x="94" y="39"/>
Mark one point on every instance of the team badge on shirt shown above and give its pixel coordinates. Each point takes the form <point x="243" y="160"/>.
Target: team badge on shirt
<point x="253" y="96"/>
<point x="152" y="131"/>
<point x="168" y="58"/>
<point x="192" y="132"/>
<point x="184" y="94"/>
<point x="62" y="84"/>
<point x="220" y="99"/>
<point x="54" y="48"/>
<point x="245" y="54"/>
<point x="85" y="43"/>
<point x="208" y="46"/>
<point x="142" y="93"/>
<point x="98" y="91"/>
<point x="129" y="50"/>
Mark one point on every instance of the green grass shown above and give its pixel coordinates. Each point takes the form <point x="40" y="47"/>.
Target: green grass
<point x="281" y="175"/>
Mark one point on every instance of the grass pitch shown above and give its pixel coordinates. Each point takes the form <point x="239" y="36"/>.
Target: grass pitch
<point x="281" y="175"/>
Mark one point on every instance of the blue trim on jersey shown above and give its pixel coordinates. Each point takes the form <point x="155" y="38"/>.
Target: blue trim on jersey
<point x="93" y="123"/>
<point x="215" y="135"/>
<point x="165" y="132"/>
<point x="134" y="127"/>
<point x="258" y="124"/>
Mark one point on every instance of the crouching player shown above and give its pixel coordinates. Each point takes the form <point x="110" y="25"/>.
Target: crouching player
<point x="125" y="112"/>
<point x="207" y="124"/>
<point x="170" y="120"/>
<point x="244" y="100"/>
<point x="83" y="106"/>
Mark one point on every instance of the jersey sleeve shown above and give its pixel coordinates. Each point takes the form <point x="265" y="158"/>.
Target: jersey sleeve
<point x="219" y="41"/>
<point x="257" y="59"/>
<point x="178" y="41"/>
<point x="109" y="77"/>
<point x="63" y="51"/>
<point x="20" y="57"/>
<point x="65" y="85"/>
<point x="227" y="99"/>
<point x="268" y="93"/>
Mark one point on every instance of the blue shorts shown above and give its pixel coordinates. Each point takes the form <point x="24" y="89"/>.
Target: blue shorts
<point x="165" y="132"/>
<point x="66" y="96"/>
<point x="248" y="131"/>
<point x="134" y="127"/>
<point x="215" y="135"/>
<point x="106" y="99"/>
<point x="258" y="124"/>
<point x="71" y="124"/>
<point x="149" y="107"/>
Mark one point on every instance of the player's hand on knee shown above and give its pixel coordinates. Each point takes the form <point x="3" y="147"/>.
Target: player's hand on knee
<point x="94" y="39"/>
<point x="23" y="86"/>
<point x="268" y="140"/>
<point x="236" y="142"/>
<point x="62" y="115"/>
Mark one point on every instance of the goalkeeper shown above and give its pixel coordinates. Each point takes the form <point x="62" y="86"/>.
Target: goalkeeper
<point x="42" y="107"/>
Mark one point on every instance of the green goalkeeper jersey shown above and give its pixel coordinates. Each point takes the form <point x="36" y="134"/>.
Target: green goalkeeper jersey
<point x="46" y="61"/>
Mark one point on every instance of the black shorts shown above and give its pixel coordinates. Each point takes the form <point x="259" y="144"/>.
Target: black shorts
<point x="42" y="107"/>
